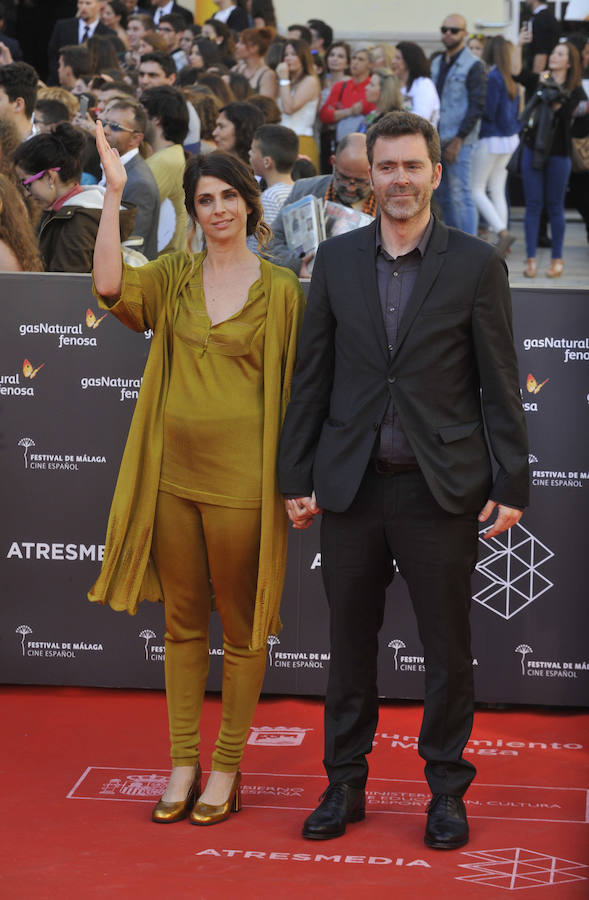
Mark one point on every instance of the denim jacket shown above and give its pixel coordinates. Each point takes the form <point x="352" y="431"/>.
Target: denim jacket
<point x="456" y="100"/>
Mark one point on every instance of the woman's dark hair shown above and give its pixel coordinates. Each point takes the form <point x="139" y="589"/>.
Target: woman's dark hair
<point x="187" y="76"/>
<point x="260" y="38"/>
<point x="415" y="61"/>
<point x="264" y="9"/>
<point x="346" y="48"/>
<point x="103" y="54"/>
<point x="219" y="87"/>
<point x="227" y="45"/>
<point x="268" y="107"/>
<point x="240" y="86"/>
<point x="62" y="148"/>
<point x="15" y="227"/>
<point x="573" y="78"/>
<point x="211" y="55"/>
<point x="303" y="51"/>
<point x="497" y="52"/>
<point x="119" y="9"/>
<point x="274" y="54"/>
<point x="207" y="107"/>
<point x="245" y="119"/>
<point x="228" y="168"/>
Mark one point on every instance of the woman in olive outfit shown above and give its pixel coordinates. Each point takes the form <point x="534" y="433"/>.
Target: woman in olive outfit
<point x="196" y="495"/>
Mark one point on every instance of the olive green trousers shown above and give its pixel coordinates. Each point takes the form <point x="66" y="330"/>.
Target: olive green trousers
<point x="196" y="545"/>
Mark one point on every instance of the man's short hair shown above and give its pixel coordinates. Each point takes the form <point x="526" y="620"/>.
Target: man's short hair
<point x="399" y="123"/>
<point x="177" y="22"/>
<point x="53" y="111"/>
<point x="77" y="57"/>
<point x="165" y="60"/>
<point x="324" y="31"/>
<point x="167" y="104"/>
<point x="139" y="114"/>
<point x="121" y="87"/>
<point x="305" y="33"/>
<point x="19" y="79"/>
<point x="281" y="144"/>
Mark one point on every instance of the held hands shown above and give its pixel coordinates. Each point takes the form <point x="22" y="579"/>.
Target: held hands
<point x="114" y="170"/>
<point x="301" y="511"/>
<point x="507" y="516"/>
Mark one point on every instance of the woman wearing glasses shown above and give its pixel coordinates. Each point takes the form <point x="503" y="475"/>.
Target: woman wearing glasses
<point x="197" y="507"/>
<point x="50" y="167"/>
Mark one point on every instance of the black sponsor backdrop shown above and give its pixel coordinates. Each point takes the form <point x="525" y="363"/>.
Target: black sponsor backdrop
<point x="530" y="617"/>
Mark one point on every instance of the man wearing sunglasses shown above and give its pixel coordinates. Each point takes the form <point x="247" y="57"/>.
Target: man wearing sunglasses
<point x="124" y="122"/>
<point x="461" y="80"/>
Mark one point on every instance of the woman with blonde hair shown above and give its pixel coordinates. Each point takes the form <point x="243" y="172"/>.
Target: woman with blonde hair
<point x="298" y="95"/>
<point x="19" y="251"/>
<point x="196" y="507"/>
<point x="381" y="57"/>
<point x="250" y="50"/>
<point x="498" y="138"/>
<point x="384" y="90"/>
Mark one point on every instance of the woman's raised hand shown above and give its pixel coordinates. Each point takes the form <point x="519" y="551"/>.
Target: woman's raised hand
<point x="114" y="170"/>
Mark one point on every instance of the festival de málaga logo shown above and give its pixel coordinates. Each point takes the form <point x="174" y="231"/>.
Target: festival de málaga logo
<point x="35" y="458"/>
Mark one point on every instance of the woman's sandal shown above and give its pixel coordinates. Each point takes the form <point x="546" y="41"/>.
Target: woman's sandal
<point x="530" y="269"/>
<point x="556" y="269"/>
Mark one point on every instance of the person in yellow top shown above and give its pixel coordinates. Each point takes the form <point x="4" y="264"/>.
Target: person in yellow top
<point x="166" y="130"/>
<point x="196" y="505"/>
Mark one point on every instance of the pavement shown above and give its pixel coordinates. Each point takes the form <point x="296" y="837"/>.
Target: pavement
<point x="575" y="255"/>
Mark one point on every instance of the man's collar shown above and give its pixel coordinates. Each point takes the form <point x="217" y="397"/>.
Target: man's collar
<point x="421" y="245"/>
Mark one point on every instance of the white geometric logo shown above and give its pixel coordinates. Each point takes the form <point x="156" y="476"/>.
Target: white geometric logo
<point x="514" y="869"/>
<point x="510" y="565"/>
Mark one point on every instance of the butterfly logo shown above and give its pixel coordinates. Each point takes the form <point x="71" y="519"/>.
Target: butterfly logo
<point x="28" y="370"/>
<point x="92" y="321"/>
<point x="532" y="385"/>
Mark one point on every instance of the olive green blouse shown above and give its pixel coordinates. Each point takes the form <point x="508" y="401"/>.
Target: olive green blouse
<point x="214" y="416"/>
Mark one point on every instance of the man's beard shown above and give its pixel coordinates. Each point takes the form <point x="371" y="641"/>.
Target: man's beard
<point x="349" y="196"/>
<point x="404" y="208"/>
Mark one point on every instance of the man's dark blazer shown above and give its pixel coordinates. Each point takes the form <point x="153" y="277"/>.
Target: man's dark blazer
<point x="13" y="45"/>
<point x="453" y="371"/>
<point x="65" y="33"/>
<point x="178" y="11"/>
<point x="141" y="189"/>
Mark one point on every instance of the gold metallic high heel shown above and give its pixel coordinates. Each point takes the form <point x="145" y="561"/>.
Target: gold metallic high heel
<point x="206" y="814"/>
<point x="165" y="812"/>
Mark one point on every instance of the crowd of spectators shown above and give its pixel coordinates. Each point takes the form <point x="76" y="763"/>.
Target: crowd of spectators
<point x="294" y="104"/>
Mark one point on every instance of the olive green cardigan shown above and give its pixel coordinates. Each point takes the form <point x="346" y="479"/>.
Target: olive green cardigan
<point x="150" y="298"/>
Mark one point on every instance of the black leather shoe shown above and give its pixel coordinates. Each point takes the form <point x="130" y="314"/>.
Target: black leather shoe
<point x="544" y="241"/>
<point x="447" y="827"/>
<point x="339" y="805"/>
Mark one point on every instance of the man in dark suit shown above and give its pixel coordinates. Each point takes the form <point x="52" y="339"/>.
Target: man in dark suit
<point x="161" y="8"/>
<point x="124" y="122"/>
<point x="75" y="31"/>
<point x="406" y="354"/>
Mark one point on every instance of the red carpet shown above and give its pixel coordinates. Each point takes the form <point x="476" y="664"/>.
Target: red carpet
<point x="83" y="767"/>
